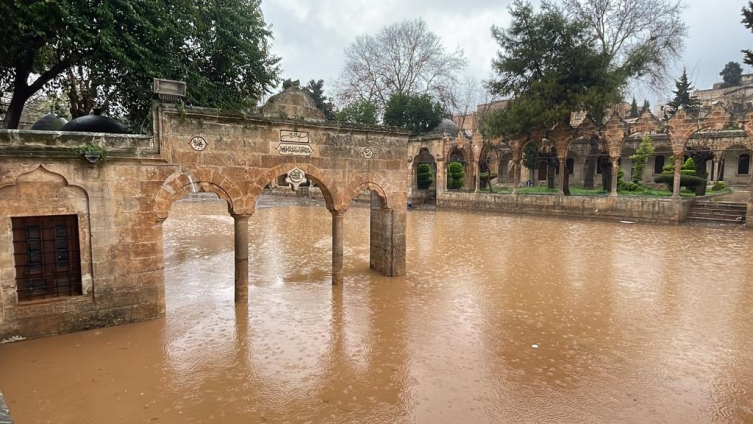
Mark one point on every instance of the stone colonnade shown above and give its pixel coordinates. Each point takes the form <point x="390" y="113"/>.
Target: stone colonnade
<point x="612" y="136"/>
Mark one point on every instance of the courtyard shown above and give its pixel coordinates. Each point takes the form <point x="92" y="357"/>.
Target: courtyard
<point x="603" y="324"/>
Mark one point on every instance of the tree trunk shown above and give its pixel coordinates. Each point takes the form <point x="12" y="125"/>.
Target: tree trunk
<point x="15" y="109"/>
<point x="700" y="157"/>
<point x="606" y="173"/>
<point x="592" y="160"/>
<point x="550" y="171"/>
<point x="566" y="180"/>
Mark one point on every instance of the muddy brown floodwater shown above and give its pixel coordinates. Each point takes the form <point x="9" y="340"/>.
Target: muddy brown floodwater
<point x="633" y="323"/>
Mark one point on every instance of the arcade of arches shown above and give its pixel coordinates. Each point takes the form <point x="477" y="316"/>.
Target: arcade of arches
<point x="728" y="136"/>
<point x="115" y="211"/>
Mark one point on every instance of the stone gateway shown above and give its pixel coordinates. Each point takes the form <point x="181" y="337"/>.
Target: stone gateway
<point x="81" y="245"/>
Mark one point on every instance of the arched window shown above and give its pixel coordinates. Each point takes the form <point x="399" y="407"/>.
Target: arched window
<point x="743" y="164"/>
<point x="658" y="165"/>
<point x="570" y="166"/>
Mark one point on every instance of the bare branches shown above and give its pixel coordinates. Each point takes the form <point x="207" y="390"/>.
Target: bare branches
<point x="402" y="58"/>
<point x="642" y="38"/>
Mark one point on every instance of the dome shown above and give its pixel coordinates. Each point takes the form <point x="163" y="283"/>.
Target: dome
<point x="95" y="123"/>
<point x="49" y="122"/>
<point x="446" y="125"/>
<point x="292" y="103"/>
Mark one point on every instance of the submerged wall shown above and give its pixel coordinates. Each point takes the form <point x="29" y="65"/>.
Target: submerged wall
<point x="644" y="209"/>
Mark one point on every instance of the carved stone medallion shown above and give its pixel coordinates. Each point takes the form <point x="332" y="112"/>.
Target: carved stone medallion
<point x="198" y="143"/>
<point x="295" y="178"/>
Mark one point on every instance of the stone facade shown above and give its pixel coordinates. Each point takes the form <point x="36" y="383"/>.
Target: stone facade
<point x="720" y="130"/>
<point x="121" y="205"/>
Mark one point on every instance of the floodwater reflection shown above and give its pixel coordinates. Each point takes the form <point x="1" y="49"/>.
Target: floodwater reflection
<point x="633" y="323"/>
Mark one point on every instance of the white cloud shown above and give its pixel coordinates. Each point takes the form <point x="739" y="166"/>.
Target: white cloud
<point x="310" y="36"/>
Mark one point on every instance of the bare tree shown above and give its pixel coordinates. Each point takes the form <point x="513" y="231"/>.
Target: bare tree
<point x="641" y="37"/>
<point x="404" y="57"/>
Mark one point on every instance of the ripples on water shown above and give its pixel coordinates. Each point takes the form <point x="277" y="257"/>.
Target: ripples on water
<point x="634" y="323"/>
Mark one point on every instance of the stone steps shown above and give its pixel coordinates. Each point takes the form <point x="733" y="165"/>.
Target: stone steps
<point x="718" y="212"/>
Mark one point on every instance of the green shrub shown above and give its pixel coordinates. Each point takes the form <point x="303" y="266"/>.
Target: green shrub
<point x="688" y="181"/>
<point x="718" y="186"/>
<point x="629" y="186"/>
<point x="644" y="151"/>
<point x="455" y="175"/>
<point x="424" y="176"/>
<point x="485" y="177"/>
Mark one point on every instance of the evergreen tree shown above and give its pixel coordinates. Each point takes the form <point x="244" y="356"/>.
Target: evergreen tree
<point x="732" y="74"/>
<point x="748" y="22"/>
<point x="315" y="89"/>
<point x="683" y="97"/>
<point x="645" y="150"/>
<point x="646" y="107"/>
<point x="634" y="109"/>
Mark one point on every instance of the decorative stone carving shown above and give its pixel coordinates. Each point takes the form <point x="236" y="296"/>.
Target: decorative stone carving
<point x="368" y="153"/>
<point x="295" y="178"/>
<point x="198" y="143"/>
<point x="288" y="149"/>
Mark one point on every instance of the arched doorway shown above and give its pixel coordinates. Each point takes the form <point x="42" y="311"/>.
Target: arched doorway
<point x="424" y="179"/>
<point x="457" y="169"/>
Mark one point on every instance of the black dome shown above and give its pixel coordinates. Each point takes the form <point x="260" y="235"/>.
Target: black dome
<point x="49" y="122"/>
<point x="95" y="123"/>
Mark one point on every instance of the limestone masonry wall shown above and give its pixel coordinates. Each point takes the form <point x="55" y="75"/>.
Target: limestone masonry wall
<point x="665" y="211"/>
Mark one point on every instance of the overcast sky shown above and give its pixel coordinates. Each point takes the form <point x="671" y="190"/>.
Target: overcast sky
<point x="311" y="35"/>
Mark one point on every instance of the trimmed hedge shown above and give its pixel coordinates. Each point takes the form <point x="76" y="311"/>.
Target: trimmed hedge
<point x="424" y="176"/>
<point x="455" y="175"/>
<point x="688" y="181"/>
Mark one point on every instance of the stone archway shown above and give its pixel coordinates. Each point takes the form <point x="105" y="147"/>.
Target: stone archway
<point x="233" y="155"/>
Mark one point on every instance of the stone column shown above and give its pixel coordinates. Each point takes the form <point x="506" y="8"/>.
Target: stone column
<point x="441" y="183"/>
<point x="387" y="240"/>
<point x="678" y="175"/>
<point x="561" y="182"/>
<point x="241" y="258"/>
<point x="615" y="172"/>
<point x="337" y="246"/>
<point x="477" y="176"/>
<point x="411" y="178"/>
<point x="515" y="175"/>
<point x="715" y="167"/>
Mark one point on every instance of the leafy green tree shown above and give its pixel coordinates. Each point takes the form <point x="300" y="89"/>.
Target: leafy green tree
<point x="683" y="97"/>
<point x="645" y="150"/>
<point x="646" y="107"/>
<point x="315" y="89"/>
<point x="748" y="22"/>
<point x="358" y="112"/>
<point x="732" y="74"/>
<point x="219" y="47"/>
<point x="416" y="113"/>
<point x="634" y="113"/>
<point x="549" y="67"/>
